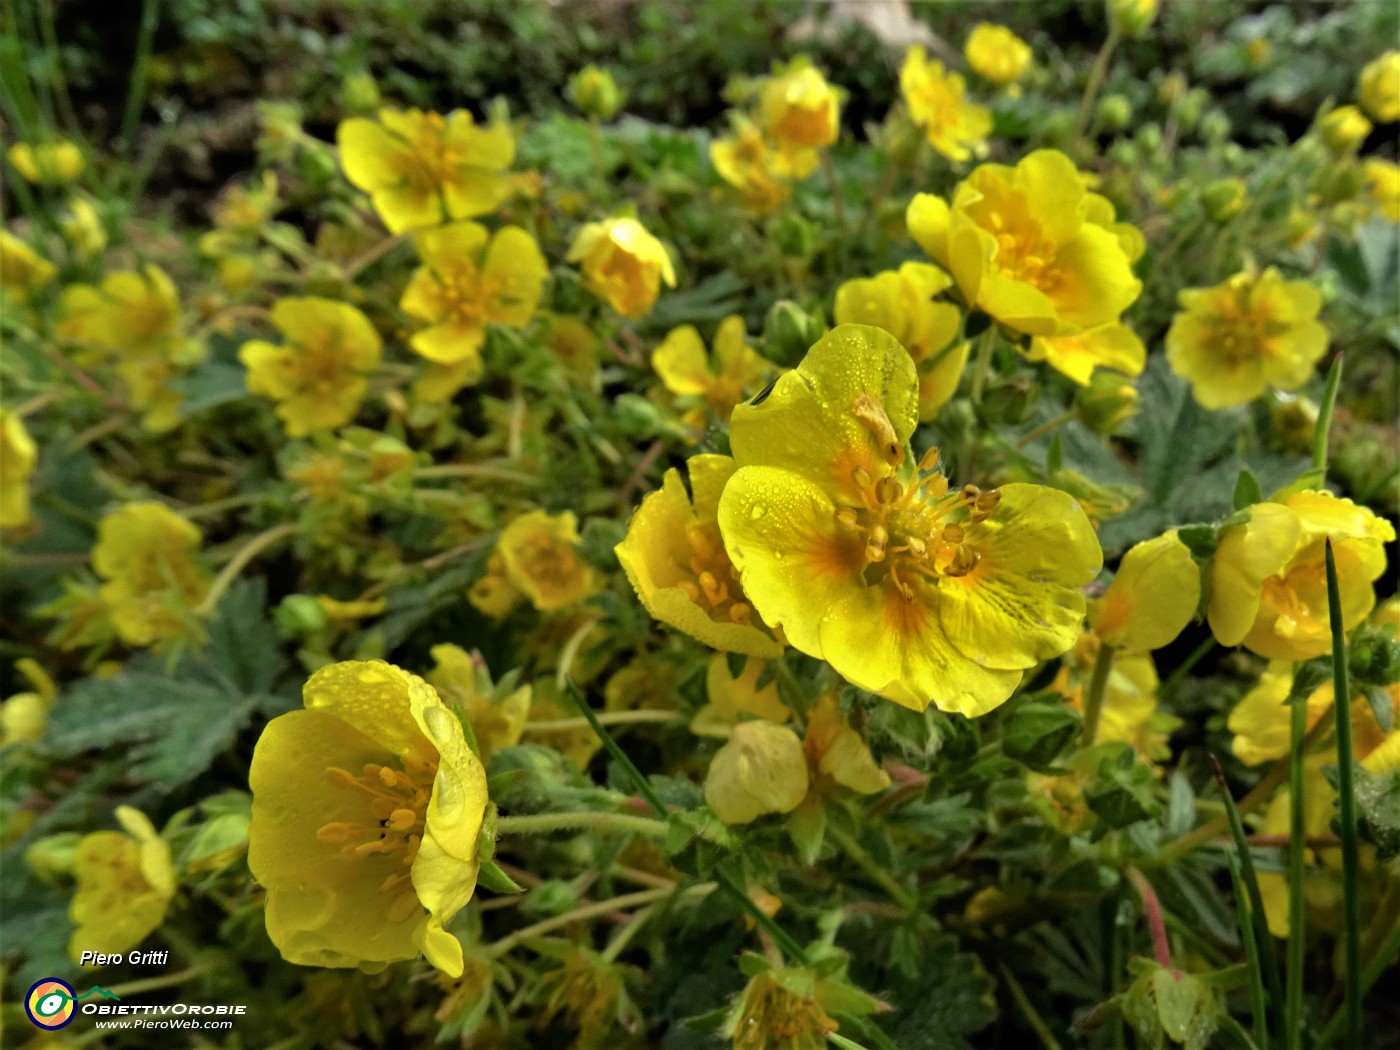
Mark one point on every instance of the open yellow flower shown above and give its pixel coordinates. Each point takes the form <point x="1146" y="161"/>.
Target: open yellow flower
<point x="1261" y="720"/>
<point x="539" y="553"/>
<point x="47" y="163"/>
<point x="902" y="302"/>
<point x="319" y="376"/>
<point x="18" y="456"/>
<point x="713" y="382"/>
<point x="1031" y="246"/>
<point x="23" y="272"/>
<point x="421" y="169"/>
<point x="1113" y="346"/>
<point x="997" y="54"/>
<point x="1269" y="589"/>
<point x="623" y="264"/>
<point x="732" y="698"/>
<point x="865" y="560"/>
<point x="1152" y="599"/>
<point x="799" y="109"/>
<point x="125" y="884"/>
<point x="937" y="103"/>
<point x="147" y="556"/>
<point x="1249" y="333"/>
<point x="470" y="279"/>
<point x="1379" y="88"/>
<point x="676" y="561"/>
<point x="762" y="174"/>
<point x="367" y="813"/>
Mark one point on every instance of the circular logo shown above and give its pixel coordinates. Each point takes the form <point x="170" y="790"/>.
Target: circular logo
<point x="49" y="1003"/>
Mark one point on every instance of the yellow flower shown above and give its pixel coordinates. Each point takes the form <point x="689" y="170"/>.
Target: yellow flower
<point x="719" y="380"/>
<point x="1269" y="590"/>
<point x="247" y="207"/>
<point x="623" y="264"/>
<point x="837" y="755"/>
<point x="1260" y="721"/>
<point x="1383" y="184"/>
<point x="462" y="680"/>
<point x="47" y="163"/>
<point x="1129" y="713"/>
<point x="82" y="228"/>
<point x="731" y="698"/>
<point x="676" y="561"/>
<point x="902" y="303"/>
<point x="470" y="279"/>
<point x="1152" y="599"/>
<point x="22" y="270"/>
<point x="1251" y="332"/>
<point x="421" y="169"/>
<point x="146" y="555"/>
<point x="997" y="54"/>
<point x="539" y="552"/>
<point x="936" y="99"/>
<point x="869" y="562"/>
<point x="125" y="884"/>
<point x="368" y="808"/>
<point x="1031" y="246"/>
<point x="493" y="593"/>
<point x="24" y="715"/>
<point x="18" y="455"/>
<point x="320" y="374"/>
<point x="1379" y="88"/>
<point x="1076" y="355"/>
<point x="1132" y="17"/>
<point x="761" y="770"/>
<point x="1319" y="803"/>
<point x="781" y="1010"/>
<point x="1344" y="129"/>
<point x="799" y="109"/>
<point x="762" y="175"/>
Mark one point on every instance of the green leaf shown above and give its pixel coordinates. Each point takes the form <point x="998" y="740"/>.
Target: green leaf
<point x="1247" y="491"/>
<point x="1123" y="793"/>
<point x="1037" y="732"/>
<point x="1378" y="809"/>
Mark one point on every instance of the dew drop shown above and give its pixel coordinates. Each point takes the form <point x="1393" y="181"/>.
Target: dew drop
<point x="757" y="511"/>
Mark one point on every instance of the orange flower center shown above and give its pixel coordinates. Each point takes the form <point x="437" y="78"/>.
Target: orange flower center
<point x="1024" y="255"/>
<point x="396" y="801"/>
<point x="466" y="295"/>
<point x="716" y="587"/>
<point x="552" y="566"/>
<point x="1242" y="334"/>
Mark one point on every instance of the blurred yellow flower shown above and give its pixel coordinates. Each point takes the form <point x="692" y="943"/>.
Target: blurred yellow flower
<point x="422" y="169"/>
<point x="493" y="593"/>
<point x="539" y="552"/>
<point x="1249" y="333"/>
<point x="868" y="561"/>
<point x="320" y="374"/>
<point x="1031" y="246"/>
<point x="368" y="808"/>
<point x="837" y="755"/>
<point x="1379" y="88"/>
<point x="463" y="682"/>
<point x="937" y="103"/>
<point x="783" y="1010"/>
<point x="125" y="884"/>
<point x="1269" y="590"/>
<point x="1383" y="185"/>
<point x="713" y="382"/>
<point x="47" y="163"/>
<point x="1114" y="346"/>
<point x="18" y="456"/>
<point x="470" y="279"/>
<point x="761" y="769"/>
<point x="247" y="207"/>
<point x="762" y="174"/>
<point x="24" y="715"/>
<point x="731" y="698"/>
<point x="147" y="556"/>
<point x="903" y="303"/>
<point x="676" y="561"/>
<point x="1344" y="129"/>
<point x="623" y="264"/>
<point x="1151" y="599"/>
<point x="1260" y="721"/>
<point x="1129" y="714"/>
<point x="22" y="270"/>
<point x="82" y="228"/>
<point x="799" y="110"/>
<point x="1319" y="803"/>
<point x="997" y="54"/>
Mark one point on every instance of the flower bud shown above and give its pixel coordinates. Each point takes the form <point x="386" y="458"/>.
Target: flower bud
<point x="359" y="94"/>
<point x="1149" y="138"/>
<point x="789" y="331"/>
<point x="1224" y="199"/>
<point x="795" y="236"/>
<point x="52" y="856"/>
<point x="595" y="93"/>
<point x="1375" y="656"/>
<point x="1344" y="130"/>
<point x="1106" y="403"/>
<point x="1379" y="88"/>
<point x="1132" y="17"/>
<point x="1215" y="127"/>
<point x="1115" y="112"/>
<point x="299" y="615"/>
<point x="1171" y="88"/>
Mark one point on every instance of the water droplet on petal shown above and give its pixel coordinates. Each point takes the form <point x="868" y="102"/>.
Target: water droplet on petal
<point x="757" y="511"/>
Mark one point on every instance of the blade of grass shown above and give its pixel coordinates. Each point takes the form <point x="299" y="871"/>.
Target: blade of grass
<point x="1351" y="896"/>
<point x="1324" y="414"/>
<point x="140" y="72"/>
<point x="761" y="918"/>
<point x="1297" y="935"/>
<point x="1258" y="1001"/>
<point x="1257" y="936"/>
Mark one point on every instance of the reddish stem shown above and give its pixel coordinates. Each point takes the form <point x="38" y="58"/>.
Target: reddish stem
<point x="1154" y="918"/>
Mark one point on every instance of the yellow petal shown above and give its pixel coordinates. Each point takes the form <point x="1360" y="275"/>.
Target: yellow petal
<point x="762" y="769"/>
<point x="1153" y="597"/>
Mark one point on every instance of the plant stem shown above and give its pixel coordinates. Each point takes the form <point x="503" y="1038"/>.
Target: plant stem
<point x="1341" y="697"/>
<point x="239" y="562"/>
<point x="1180" y="672"/>
<point x="1023" y="1003"/>
<point x="1297" y="933"/>
<point x="592" y="911"/>
<point x="1093" y="696"/>
<point x="475" y="470"/>
<point x="1160" y="948"/>
<point x="1096" y="76"/>
<point x="1258" y="1001"/>
<point x="984" y="363"/>
<point x="607" y="718"/>
<point x="624" y="936"/>
<point x="837" y="203"/>
<point x="151" y="984"/>
<point x="1324" y="414"/>
<point x="858" y="853"/>
<point x="543" y="823"/>
<point x="1049" y="426"/>
<point x="136" y="92"/>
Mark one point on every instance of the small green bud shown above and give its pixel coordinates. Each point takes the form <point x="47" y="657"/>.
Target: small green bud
<point x="789" y="332"/>
<point x="1008" y="402"/>
<point x="1215" y="127"/>
<point x="1132" y="17"/>
<point x="359" y="94"/>
<point x="796" y="236"/>
<point x="299" y="615"/>
<point x="1375" y="656"/>
<point x="1172" y="88"/>
<point x="1344" y="130"/>
<point x="1115" y="112"/>
<point x="596" y="94"/>
<point x="1149" y="138"/>
<point x="1106" y="403"/>
<point x="1224" y="199"/>
<point x="52" y="856"/>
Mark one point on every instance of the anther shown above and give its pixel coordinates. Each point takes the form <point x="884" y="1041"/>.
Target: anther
<point x="887" y="490"/>
<point x="872" y="414"/>
<point x="953" y="534"/>
<point x="875" y="544"/>
<point x="929" y="459"/>
<point x="862" y="477"/>
<point x="846" y="517"/>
